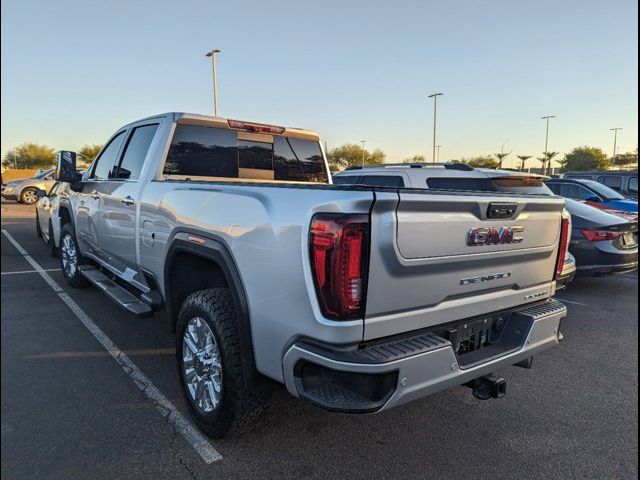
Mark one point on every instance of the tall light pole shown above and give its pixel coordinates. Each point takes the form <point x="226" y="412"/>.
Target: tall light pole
<point x="438" y="154"/>
<point x="435" y="112"/>
<point x="363" y="142"/>
<point x="212" y="54"/>
<point x="546" y="142"/>
<point x="615" y="144"/>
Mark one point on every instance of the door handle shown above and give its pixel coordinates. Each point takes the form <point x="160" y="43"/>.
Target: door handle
<point x="95" y="195"/>
<point x="128" y="201"/>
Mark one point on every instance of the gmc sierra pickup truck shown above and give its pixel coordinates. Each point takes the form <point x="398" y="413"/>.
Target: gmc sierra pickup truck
<point x="355" y="298"/>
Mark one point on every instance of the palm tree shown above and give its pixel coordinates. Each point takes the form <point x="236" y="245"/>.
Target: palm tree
<point x="523" y="160"/>
<point x="501" y="157"/>
<point x="548" y="157"/>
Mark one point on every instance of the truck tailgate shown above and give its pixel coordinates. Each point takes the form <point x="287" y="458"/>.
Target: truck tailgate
<point x="436" y="258"/>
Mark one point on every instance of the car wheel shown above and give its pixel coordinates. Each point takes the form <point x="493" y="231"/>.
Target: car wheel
<point x="210" y="365"/>
<point x="38" y="229"/>
<point x="28" y="196"/>
<point x="52" y="243"/>
<point x="70" y="258"/>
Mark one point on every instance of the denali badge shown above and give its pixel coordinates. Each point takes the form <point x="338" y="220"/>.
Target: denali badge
<point x="485" y="278"/>
<point x="493" y="236"/>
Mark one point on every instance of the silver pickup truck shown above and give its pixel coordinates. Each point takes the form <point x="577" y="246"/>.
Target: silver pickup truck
<point x="356" y="298"/>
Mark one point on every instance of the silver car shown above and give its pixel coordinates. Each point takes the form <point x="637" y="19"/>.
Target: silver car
<point x="47" y="218"/>
<point x="25" y="190"/>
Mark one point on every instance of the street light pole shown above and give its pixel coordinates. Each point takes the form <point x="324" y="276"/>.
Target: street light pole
<point x="212" y="54"/>
<point x="615" y="144"/>
<point x="546" y="143"/>
<point x="438" y="154"/>
<point x="435" y="112"/>
<point x="363" y="142"/>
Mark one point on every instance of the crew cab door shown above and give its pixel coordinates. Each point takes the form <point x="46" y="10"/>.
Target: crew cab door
<point x="95" y="185"/>
<point x="119" y="203"/>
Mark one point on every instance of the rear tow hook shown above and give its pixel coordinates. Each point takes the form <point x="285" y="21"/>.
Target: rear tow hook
<point x="488" y="387"/>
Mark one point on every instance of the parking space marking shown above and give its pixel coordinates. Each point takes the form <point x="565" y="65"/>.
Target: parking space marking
<point x="31" y="271"/>
<point x="182" y="425"/>
<point x="103" y="353"/>
<point x="572" y="302"/>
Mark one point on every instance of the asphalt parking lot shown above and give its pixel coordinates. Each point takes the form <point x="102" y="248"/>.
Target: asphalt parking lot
<point x="69" y="410"/>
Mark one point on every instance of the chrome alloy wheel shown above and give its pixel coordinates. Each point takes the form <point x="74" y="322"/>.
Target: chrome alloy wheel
<point x="29" y="197"/>
<point x="69" y="255"/>
<point x="201" y="364"/>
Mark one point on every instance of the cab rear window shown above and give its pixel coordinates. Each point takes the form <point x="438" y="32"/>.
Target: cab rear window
<point x="199" y="151"/>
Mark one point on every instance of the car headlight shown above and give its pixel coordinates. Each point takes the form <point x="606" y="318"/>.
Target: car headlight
<point x="7" y="189"/>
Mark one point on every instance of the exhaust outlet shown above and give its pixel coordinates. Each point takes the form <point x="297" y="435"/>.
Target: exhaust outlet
<point x="487" y="387"/>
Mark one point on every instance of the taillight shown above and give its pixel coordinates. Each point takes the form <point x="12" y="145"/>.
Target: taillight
<point x="563" y="248"/>
<point x="339" y="247"/>
<point x="599" y="235"/>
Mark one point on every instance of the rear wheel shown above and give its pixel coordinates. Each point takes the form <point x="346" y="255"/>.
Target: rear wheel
<point x="29" y="196"/>
<point x="210" y="364"/>
<point x="70" y="257"/>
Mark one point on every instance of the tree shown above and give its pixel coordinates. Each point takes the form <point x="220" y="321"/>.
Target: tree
<point x="88" y="153"/>
<point x="585" y="158"/>
<point x="479" y="162"/>
<point x="30" y="155"/>
<point x="629" y="158"/>
<point x="547" y="158"/>
<point x="350" y="155"/>
<point x="415" y="159"/>
<point x="523" y="161"/>
<point x="501" y="157"/>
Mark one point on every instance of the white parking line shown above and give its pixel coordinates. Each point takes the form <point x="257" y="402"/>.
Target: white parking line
<point x="572" y="302"/>
<point x="188" y="430"/>
<point x="31" y="271"/>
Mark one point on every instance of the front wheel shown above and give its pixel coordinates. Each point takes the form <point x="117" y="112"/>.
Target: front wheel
<point x="70" y="257"/>
<point x="210" y="364"/>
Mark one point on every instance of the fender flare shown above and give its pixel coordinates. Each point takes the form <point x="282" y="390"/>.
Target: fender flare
<point x="216" y="251"/>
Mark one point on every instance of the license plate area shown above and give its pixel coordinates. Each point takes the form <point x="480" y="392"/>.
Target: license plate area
<point x="478" y="339"/>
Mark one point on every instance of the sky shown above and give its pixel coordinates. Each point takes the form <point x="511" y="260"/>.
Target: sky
<point x="72" y="72"/>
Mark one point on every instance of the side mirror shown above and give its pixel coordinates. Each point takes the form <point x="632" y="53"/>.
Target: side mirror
<point x="66" y="167"/>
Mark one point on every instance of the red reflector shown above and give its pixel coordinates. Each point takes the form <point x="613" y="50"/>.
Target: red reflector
<point x="599" y="235"/>
<point x="339" y="255"/>
<point x="563" y="248"/>
<point x="255" y="127"/>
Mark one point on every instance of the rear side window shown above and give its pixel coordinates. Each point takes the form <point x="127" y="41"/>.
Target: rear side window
<point x="202" y="152"/>
<point x="345" y="180"/>
<point x="394" y="181"/>
<point x="633" y="185"/>
<point x="106" y="162"/>
<point x="135" y="152"/>
<point x="459" y="183"/>
<point x="571" y="190"/>
<point x="611" y="182"/>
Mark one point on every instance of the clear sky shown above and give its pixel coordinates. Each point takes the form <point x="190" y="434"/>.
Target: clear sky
<point x="74" y="71"/>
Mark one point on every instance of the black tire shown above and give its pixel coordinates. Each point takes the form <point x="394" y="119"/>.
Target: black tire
<point x="52" y="243"/>
<point x="72" y="276"/>
<point x="28" y="199"/>
<point x="238" y="409"/>
<point x="38" y="229"/>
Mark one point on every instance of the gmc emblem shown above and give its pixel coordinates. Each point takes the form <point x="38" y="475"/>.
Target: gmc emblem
<point x="494" y="236"/>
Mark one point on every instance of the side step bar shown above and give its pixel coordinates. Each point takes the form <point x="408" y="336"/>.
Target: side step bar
<point x="115" y="292"/>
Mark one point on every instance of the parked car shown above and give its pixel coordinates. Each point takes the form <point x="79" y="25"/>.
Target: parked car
<point x="595" y="194"/>
<point x="622" y="181"/>
<point x="455" y="177"/>
<point x="25" y="190"/>
<point x="357" y="299"/>
<point x="602" y="243"/>
<point x="46" y="210"/>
